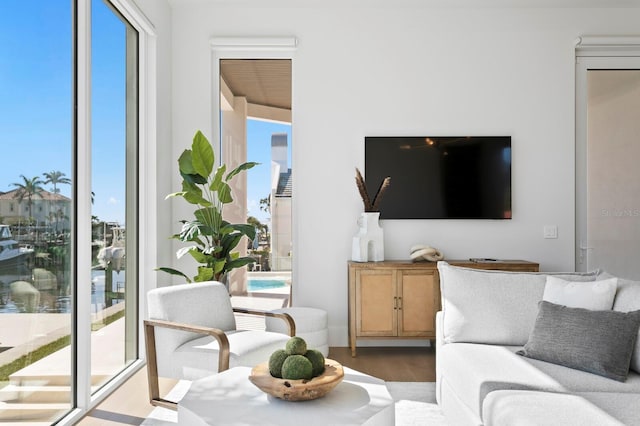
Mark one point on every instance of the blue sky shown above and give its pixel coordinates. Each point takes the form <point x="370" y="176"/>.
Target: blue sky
<point x="36" y="98"/>
<point x="36" y="104"/>
<point x="259" y="149"/>
<point x="35" y="89"/>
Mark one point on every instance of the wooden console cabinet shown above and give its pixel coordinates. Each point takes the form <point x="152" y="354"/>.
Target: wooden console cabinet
<point x="399" y="300"/>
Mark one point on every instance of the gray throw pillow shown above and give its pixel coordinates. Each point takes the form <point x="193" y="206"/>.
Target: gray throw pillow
<point x="599" y="342"/>
<point x="627" y="300"/>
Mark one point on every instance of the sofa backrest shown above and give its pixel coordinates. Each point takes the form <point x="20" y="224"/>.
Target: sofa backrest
<point x="627" y="300"/>
<point x="493" y="307"/>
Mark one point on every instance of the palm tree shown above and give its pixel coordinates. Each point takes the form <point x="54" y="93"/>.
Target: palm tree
<point x="55" y="177"/>
<point x="261" y="228"/>
<point x="60" y="216"/>
<point x="27" y="189"/>
<point x="265" y="204"/>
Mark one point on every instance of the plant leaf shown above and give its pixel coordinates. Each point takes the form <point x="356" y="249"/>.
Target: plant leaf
<point x="193" y="194"/>
<point x="219" y="265"/>
<point x="202" y="157"/>
<point x="174" y="272"/>
<point x="191" y="231"/>
<point x="241" y="167"/>
<point x="184" y="250"/>
<point x="185" y="163"/>
<point x="224" y="193"/>
<point x="204" y="274"/>
<point x="200" y="257"/>
<point x="217" y="178"/>
<point x="245" y="229"/>
<point x="210" y="220"/>
<point x="226" y="228"/>
<point x="175" y="194"/>
<point x="194" y="178"/>
<point x="229" y="242"/>
<point x="239" y="262"/>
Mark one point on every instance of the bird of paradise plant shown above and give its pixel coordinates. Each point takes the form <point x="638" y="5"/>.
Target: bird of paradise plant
<point x="212" y="240"/>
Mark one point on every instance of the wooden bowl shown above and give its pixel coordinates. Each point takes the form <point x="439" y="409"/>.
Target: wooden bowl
<point x="298" y="390"/>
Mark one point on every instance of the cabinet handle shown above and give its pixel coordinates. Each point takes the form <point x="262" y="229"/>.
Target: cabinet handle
<point x="395" y="302"/>
<point x="400" y="300"/>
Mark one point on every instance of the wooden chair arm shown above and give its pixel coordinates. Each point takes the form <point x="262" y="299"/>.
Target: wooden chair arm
<point x="152" y="361"/>
<point x="285" y="317"/>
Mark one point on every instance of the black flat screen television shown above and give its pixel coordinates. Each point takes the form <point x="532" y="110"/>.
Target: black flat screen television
<point x="441" y="177"/>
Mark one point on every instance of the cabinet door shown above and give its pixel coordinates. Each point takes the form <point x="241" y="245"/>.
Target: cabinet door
<point x="418" y="300"/>
<point x="375" y="303"/>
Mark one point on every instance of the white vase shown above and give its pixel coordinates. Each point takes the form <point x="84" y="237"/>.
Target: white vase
<point x="368" y="243"/>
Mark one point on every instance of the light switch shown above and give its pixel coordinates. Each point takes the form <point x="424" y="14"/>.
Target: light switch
<point x="550" y="231"/>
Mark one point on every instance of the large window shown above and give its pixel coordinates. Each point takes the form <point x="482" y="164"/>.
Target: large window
<point x="114" y="143"/>
<point x="68" y="277"/>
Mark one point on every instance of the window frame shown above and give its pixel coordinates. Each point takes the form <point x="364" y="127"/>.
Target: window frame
<point x="223" y="47"/>
<point x="83" y="400"/>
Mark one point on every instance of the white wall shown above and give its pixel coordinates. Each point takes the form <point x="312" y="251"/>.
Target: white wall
<point x="404" y="69"/>
<point x="159" y="14"/>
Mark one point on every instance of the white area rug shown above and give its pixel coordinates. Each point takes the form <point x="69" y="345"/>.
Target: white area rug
<point x="415" y="405"/>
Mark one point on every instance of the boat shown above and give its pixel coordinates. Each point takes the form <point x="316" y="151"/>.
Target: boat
<point x="14" y="259"/>
<point x="114" y="255"/>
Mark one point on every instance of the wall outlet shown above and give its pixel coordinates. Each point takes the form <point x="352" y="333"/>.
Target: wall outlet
<point x="550" y="231"/>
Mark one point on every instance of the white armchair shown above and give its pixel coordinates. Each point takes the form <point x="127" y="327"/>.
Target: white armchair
<point x="191" y="333"/>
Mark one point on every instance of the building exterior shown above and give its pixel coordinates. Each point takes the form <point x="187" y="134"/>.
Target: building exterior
<point x="281" y="184"/>
<point x="45" y="209"/>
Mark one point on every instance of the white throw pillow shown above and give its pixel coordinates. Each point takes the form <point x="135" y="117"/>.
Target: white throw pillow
<point x="492" y="307"/>
<point x="595" y="295"/>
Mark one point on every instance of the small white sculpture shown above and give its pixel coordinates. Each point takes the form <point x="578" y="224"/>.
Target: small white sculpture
<point x="368" y="244"/>
<point x="422" y="252"/>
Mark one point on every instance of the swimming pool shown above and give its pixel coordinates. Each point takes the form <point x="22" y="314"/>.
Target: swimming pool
<point x="265" y="284"/>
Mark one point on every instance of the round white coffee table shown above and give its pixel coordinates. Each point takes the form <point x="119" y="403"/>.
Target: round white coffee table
<point x="229" y="398"/>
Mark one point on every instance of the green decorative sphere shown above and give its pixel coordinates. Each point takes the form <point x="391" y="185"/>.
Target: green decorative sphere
<point x="296" y="346"/>
<point x="275" y="362"/>
<point x="297" y="367"/>
<point x="317" y="361"/>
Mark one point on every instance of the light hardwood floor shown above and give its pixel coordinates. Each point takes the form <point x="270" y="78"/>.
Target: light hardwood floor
<point x="129" y="405"/>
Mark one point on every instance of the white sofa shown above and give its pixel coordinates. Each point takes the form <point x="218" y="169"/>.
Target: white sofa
<point x="486" y="317"/>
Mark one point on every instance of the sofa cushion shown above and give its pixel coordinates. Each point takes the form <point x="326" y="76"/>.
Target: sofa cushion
<point x="199" y="357"/>
<point x="474" y="370"/>
<point x="623" y="406"/>
<point x="596" y="295"/>
<point x="482" y="307"/>
<point x="513" y="408"/>
<point x="599" y="342"/>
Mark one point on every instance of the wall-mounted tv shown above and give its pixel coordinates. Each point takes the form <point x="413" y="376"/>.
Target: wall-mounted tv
<point x="441" y="177"/>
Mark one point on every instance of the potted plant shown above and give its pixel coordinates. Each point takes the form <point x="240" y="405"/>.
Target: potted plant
<point x="212" y="240"/>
